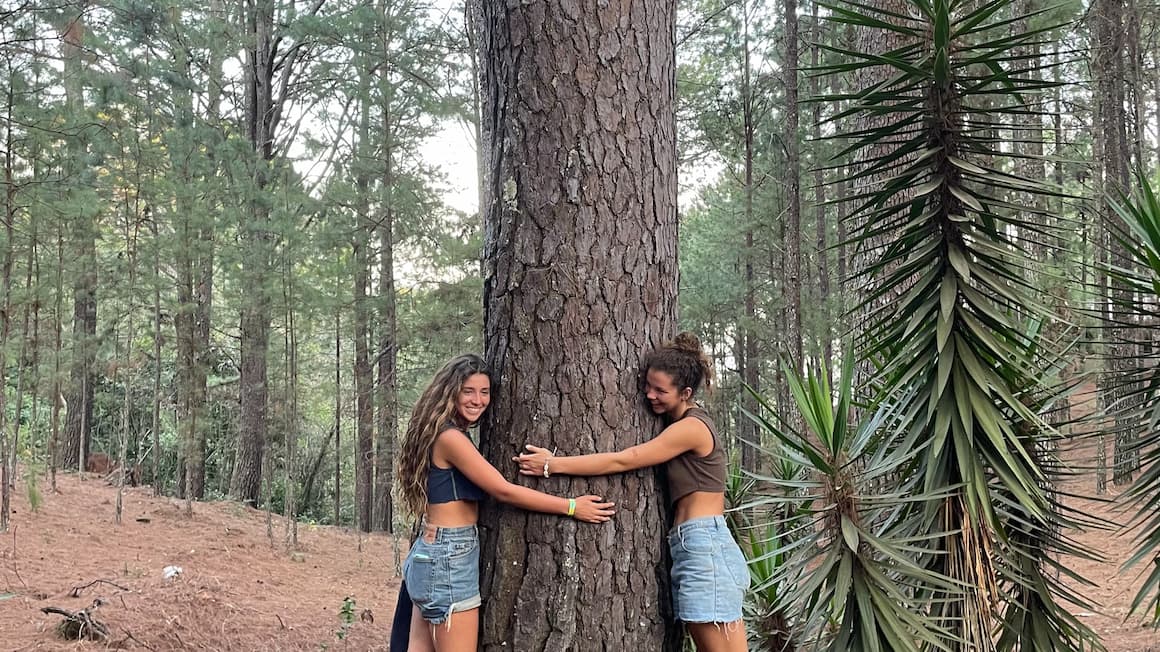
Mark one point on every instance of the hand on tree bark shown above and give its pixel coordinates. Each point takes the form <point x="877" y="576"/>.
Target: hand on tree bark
<point x="535" y="462"/>
<point x="590" y="510"/>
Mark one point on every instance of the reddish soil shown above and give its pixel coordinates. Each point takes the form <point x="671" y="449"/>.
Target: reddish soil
<point x="236" y="591"/>
<point x="1114" y="588"/>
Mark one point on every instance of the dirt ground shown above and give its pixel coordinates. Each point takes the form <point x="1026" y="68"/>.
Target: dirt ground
<point x="238" y="592"/>
<point x="235" y="591"/>
<point x="1114" y="588"/>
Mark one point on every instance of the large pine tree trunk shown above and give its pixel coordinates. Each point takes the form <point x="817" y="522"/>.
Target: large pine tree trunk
<point x="245" y="485"/>
<point x="580" y="280"/>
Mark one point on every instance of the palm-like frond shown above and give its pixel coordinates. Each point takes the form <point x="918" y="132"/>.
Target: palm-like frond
<point x="850" y="547"/>
<point x="945" y="338"/>
<point x="1139" y="234"/>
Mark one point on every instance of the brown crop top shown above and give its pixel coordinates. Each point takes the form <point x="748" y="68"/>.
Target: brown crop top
<point x="688" y="472"/>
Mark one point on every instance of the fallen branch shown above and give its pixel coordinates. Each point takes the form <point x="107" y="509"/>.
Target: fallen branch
<point x="129" y="637"/>
<point x="14" y="568"/>
<point x="80" y="625"/>
<point x="76" y="590"/>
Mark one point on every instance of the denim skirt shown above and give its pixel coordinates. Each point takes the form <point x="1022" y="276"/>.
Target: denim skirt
<point x="442" y="572"/>
<point x="710" y="575"/>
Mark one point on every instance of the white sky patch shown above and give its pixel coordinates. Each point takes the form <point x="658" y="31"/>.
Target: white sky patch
<point x="453" y="151"/>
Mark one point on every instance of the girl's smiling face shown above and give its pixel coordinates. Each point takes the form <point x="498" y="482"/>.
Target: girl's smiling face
<point x="662" y="393"/>
<point x="474" y="397"/>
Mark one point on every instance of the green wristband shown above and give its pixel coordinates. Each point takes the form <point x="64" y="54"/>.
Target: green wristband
<point x="571" y="507"/>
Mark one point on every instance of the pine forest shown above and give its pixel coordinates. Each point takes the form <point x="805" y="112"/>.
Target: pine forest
<point x="918" y="239"/>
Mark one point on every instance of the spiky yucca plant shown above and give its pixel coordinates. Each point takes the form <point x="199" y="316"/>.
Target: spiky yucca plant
<point x="942" y="495"/>
<point x="851" y="543"/>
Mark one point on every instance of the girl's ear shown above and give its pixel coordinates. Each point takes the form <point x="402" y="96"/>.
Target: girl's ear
<point x="686" y="393"/>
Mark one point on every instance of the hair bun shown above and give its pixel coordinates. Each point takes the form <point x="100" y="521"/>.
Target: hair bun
<point x="686" y="341"/>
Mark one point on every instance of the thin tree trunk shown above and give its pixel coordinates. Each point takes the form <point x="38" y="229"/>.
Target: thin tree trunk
<point x="823" y="302"/>
<point x="7" y="467"/>
<point x="791" y="269"/>
<point x="363" y="380"/>
<point x="384" y="516"/>
<point x="337" y="417"/>
<point x="80" y="392"/>
<point x="58" y="401"/>
<point x="290" y="343"/>
<point x="750" y="363"/>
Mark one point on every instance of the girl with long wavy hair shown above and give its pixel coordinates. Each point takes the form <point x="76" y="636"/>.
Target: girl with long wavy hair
<point x="710" y="575"/>
<point x="443" y="478"/>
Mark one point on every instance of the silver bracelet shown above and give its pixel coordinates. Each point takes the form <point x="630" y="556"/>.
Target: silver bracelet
<point x="546" y="474"/>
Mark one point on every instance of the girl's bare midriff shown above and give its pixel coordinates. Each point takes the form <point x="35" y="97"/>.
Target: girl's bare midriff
<point x="699" y="504"/>
<point x="457" y="513"/>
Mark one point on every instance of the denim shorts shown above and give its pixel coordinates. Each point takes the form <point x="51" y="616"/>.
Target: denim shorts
<point x="442" y="572"/>
<point x="710" y="575"/>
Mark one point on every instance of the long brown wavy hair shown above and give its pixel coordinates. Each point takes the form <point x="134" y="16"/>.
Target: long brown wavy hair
<point x="434" y="409"/>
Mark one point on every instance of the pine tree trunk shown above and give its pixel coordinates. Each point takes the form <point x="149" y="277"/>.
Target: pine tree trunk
<point x="749" y="362"/>
<point x="7" y="470"/>
<point x="1027" y="133"/>
<point x="363" y="378"/>
<point x="80" y="389"/>
<point x="246" y="483"/>
<point x="791" y="269"/>
<point x="338" y="417"/>
<point x="1109" y="68"/>
<point x="387" y="425"/>
<point x="823" y="303"/>
<point x="580" y="280"/>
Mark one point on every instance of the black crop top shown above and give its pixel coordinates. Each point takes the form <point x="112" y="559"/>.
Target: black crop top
<point x="449" y="485"/>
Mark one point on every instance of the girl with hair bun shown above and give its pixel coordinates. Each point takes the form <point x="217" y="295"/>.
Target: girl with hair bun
<point x="710" y="575"/>
<point x="443" y="478"/>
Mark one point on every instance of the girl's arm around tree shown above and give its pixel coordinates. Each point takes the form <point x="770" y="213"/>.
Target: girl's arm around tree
<point x="457" y="449"/>
<point x="680" y="437"/>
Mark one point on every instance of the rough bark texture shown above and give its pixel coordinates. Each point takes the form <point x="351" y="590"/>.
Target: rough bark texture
<point x="580" y="280"/>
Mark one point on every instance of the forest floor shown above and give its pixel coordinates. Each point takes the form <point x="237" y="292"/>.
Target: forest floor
<point x="1112" y="588"/>
<point x="239" y="592"/>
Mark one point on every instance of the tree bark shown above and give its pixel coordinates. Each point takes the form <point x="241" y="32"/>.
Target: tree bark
<point x="388" y="346"/>
<point x="77" y="435"/>
<point x="580" y="279"/>
<point x="245" y="485"/>
<point x="364" y="467"/>
<point x="750" y="361"/>
<point x="791" y="269"/>
<point x="823" y="303"/>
